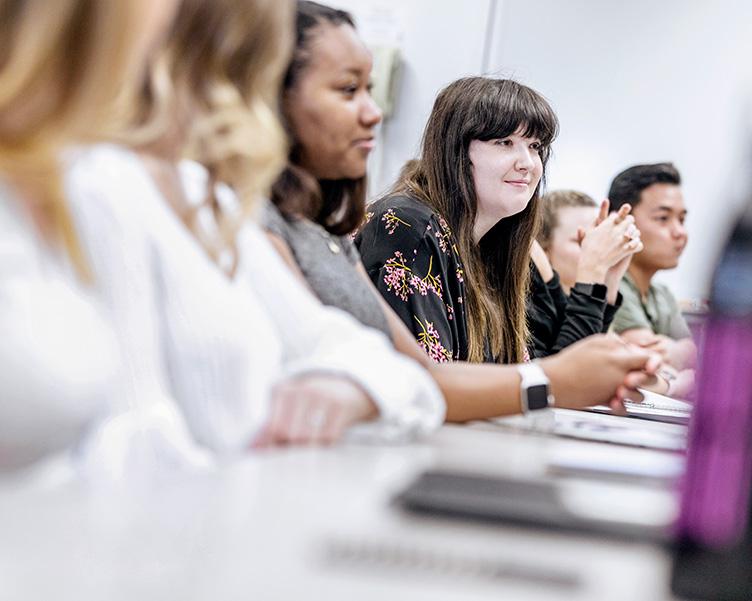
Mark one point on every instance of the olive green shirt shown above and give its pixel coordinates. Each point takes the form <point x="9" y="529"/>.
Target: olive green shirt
<point x="658" y="312"/>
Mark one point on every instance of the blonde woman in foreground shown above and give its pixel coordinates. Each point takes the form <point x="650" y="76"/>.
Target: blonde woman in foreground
<point x="61" y="66"/>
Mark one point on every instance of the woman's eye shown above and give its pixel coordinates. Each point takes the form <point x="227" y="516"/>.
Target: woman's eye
<point x="536" y="146"/>
<point x="349" y="90"/>
<point x="369" y="87"/>
<point x="504" y="142"/>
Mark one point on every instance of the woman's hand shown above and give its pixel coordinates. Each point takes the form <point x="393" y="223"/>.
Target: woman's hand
<point x="600" y="369"/>
<point x="683" y="386"/>
<point x="314" y="409"/>
<point x="681" y="354"/>
<point x="607" y="248"/>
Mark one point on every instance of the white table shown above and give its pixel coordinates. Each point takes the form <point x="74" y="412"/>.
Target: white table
<point x="318" y="524"/>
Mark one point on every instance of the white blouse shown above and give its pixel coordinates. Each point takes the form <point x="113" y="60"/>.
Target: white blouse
<point x="191" y="337"/>
<point x="56" y="353"/>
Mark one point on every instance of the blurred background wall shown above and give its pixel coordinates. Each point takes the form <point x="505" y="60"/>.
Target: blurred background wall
<point x="632" y="82"/>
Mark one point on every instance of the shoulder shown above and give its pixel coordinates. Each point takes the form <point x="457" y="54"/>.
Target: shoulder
<point x="303" y="236"/>
<point x="630" y="314"/>
<point x="663" y="293"/>
<point x="401" y="221"/>
<point x="405" y="208"/>
<point x="351" y="251"/>
<point x="668" y="308"/>
<point x="106" y="180"/>
<point x="103" y="165"/>
<point x="273" y="220"/>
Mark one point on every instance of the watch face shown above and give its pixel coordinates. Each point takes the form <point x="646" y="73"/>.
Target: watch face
<point x="597" y="291"/>
<point x="600" y="291"/>
<point x="537" y="397"/>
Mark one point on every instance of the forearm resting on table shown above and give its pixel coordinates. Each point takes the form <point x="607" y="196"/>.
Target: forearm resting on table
<point x="478" y="391"/>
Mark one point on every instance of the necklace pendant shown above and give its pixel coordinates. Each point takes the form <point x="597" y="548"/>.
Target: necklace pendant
<point x="333" y="246"/>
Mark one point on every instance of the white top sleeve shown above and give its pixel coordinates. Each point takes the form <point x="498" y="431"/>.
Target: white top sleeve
<point x="145" y="429"/>
<point x="319" y="338"/>
<point x="56" y="353"/>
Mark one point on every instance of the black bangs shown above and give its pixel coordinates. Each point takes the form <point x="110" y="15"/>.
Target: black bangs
<point x="504" y="106"/>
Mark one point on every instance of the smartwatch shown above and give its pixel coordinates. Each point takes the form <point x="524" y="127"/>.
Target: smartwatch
<point x="534" y="388"/>
<point x="597" y="291"/>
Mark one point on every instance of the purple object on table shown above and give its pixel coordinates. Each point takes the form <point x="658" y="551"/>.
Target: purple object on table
<point x="716" y="486"/>
<point x="713" y="552"/>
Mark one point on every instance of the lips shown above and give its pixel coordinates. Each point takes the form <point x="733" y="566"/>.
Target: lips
<point x="520" y="183"/>
<point x="365" y="143"/>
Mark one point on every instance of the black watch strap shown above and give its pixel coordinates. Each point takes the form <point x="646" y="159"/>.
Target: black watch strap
<point x="597" y="291"/>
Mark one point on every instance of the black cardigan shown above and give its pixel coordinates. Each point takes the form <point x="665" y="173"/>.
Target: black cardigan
<point x="556" y="320"/>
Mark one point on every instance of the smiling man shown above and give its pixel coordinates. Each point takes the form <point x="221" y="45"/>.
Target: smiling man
<point x="649" y="315"/>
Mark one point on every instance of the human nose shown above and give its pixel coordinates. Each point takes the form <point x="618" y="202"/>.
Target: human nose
<point x="370" y="113"/>
<point x="524" y="158"/>
<point x="679" y="230"/>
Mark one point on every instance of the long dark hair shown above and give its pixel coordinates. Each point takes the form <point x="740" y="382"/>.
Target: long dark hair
<point x="497" y="270"/>
<point x="337" y="205"/>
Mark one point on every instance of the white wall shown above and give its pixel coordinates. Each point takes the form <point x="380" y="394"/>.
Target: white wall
<point x="441" y="40"/>
<point x="639" y="82"/>
<point x="632" y="82"/>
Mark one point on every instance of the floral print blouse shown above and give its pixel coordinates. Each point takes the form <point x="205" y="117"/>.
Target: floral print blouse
<point x="409" y="252"/>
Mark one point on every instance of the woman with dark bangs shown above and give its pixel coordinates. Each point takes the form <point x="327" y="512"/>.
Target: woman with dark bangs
<point x="449" y="248"/>
<point x="320" y="199"/>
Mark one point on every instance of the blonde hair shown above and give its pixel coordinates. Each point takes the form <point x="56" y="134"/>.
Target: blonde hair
<point x="67" y="60"/>
<point x="226" y="58"/>
<point x="553" y="202"/>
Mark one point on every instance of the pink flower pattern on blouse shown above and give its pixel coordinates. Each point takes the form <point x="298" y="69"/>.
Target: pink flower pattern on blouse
<point x="392" y="222"/>
<point x="429" y="339"/>
<point x="410" y="254"/>
<point x="400" y="279"/>
<point x="444" y="235"/>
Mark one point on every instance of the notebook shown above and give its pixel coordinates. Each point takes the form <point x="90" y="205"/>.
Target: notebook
<point x="585" y="425"/>
<point x="655" y="407"/>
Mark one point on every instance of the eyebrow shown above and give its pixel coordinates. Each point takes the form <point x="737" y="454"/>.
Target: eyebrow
<point x="666" y="209"/>
<point x="352" y="71"/>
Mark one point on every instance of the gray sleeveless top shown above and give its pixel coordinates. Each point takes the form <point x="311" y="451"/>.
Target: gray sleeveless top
<point x="329" y="264"/>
